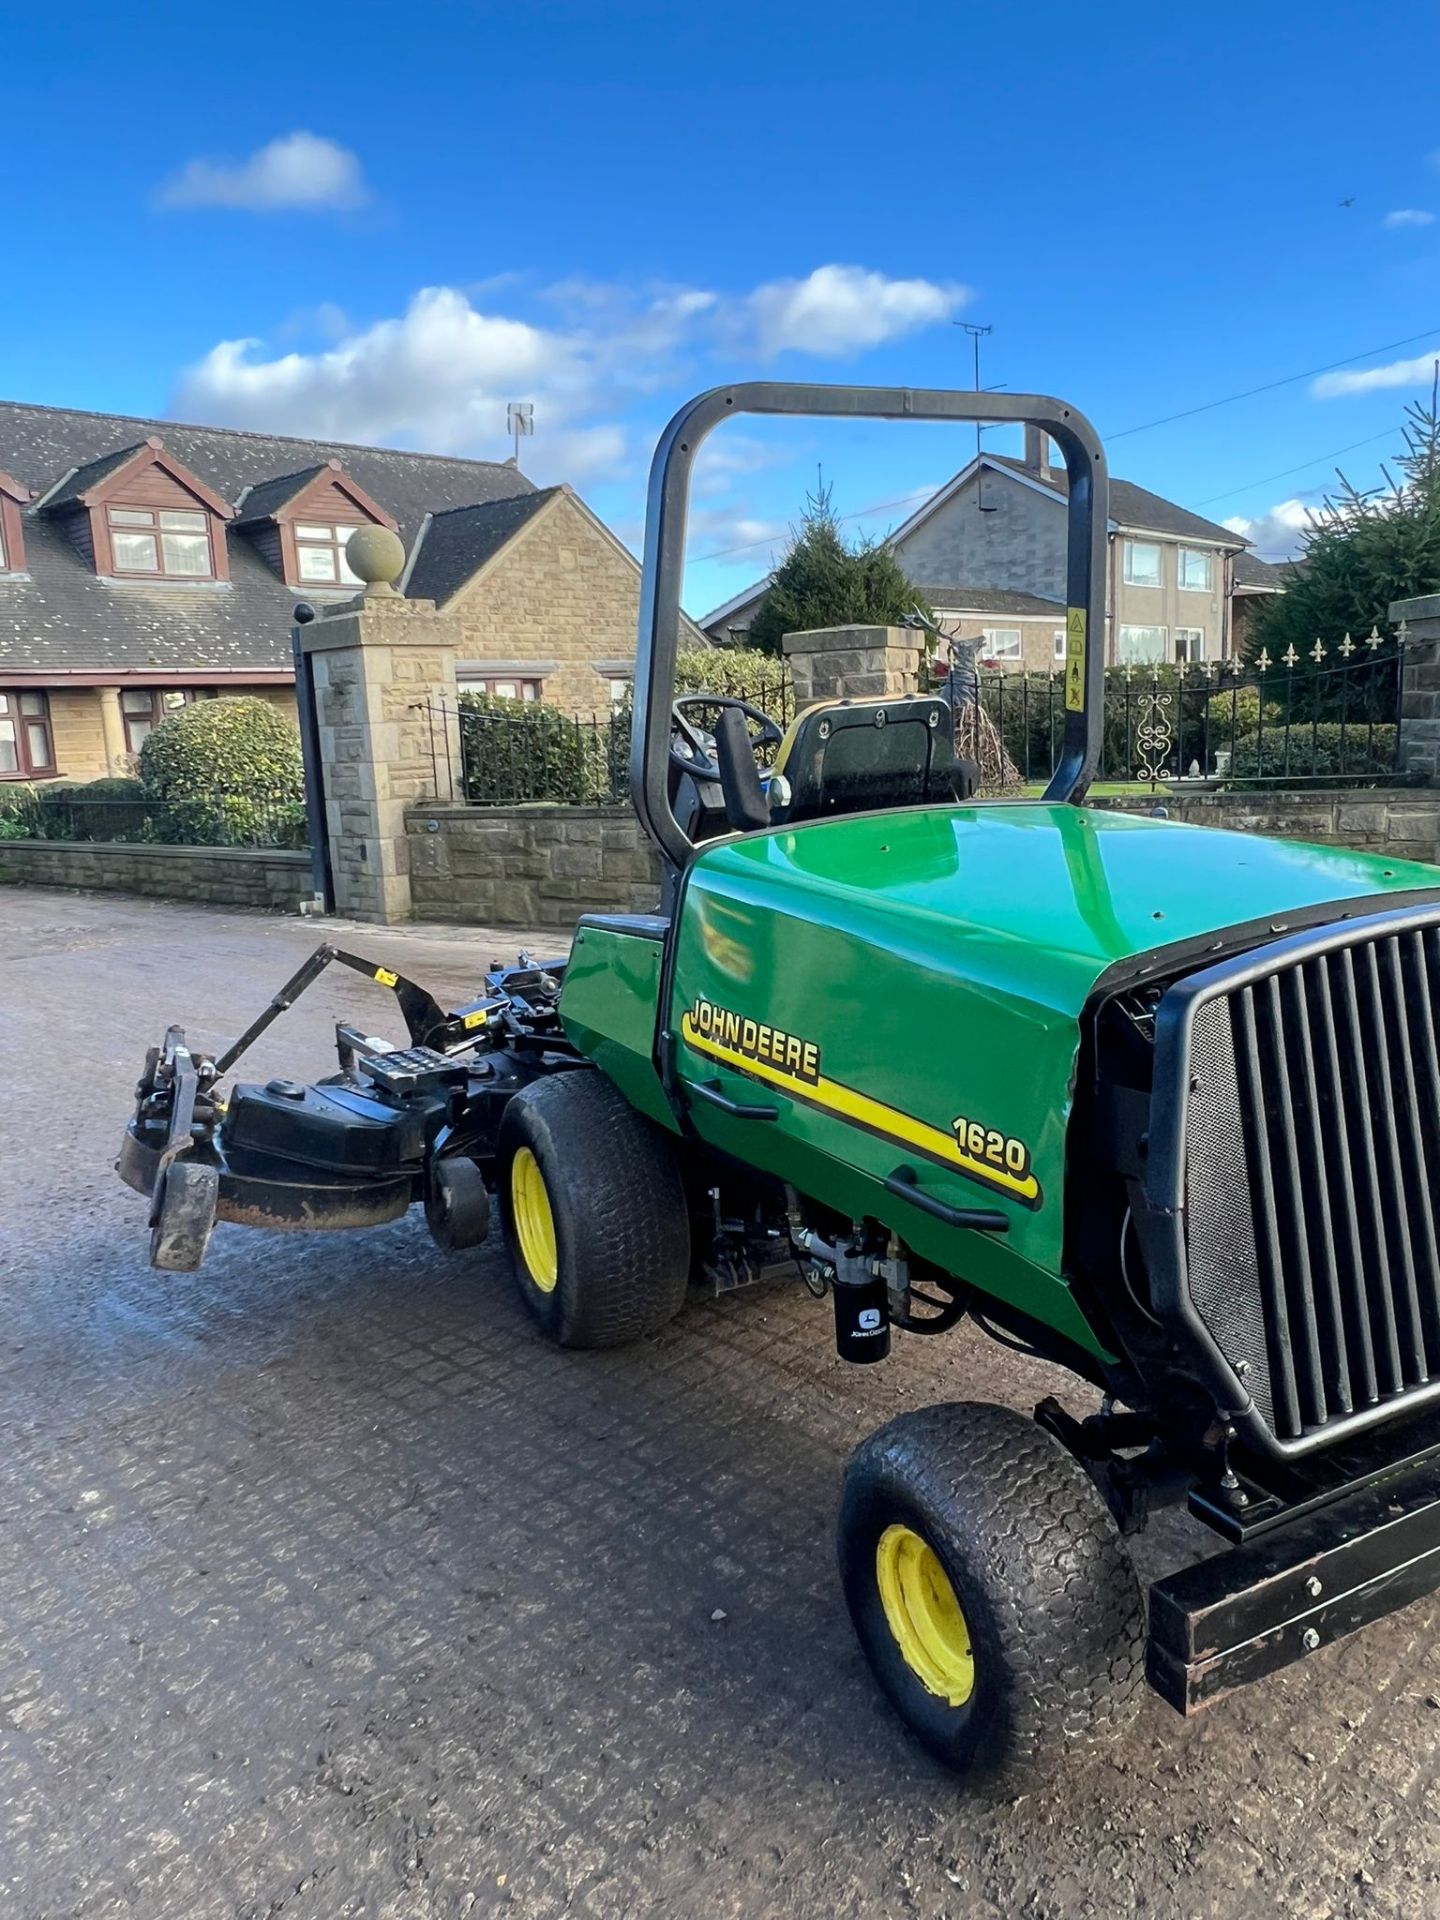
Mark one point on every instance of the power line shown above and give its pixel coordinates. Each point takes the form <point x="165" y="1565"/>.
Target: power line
<point x="1289" y="380"/>
<point x="1145" y="426"/>
<point x="1304" y="467"/>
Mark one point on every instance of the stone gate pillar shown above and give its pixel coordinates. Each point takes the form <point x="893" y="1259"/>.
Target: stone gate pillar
<point x="1419" y="750"/>
<point x="385" y="700"/>
<point x="838" y="663"/>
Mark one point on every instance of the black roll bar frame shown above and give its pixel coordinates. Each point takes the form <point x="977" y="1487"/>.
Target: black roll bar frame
<point x="665" y="524"/>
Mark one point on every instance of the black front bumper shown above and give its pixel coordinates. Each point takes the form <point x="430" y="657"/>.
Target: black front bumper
<point x="1296" y="1587"/>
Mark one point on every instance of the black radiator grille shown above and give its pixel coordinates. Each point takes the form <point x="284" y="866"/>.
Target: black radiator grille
<point x="1315" y="1094"/>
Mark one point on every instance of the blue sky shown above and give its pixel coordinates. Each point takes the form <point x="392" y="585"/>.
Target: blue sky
<point x="381" y="224"/>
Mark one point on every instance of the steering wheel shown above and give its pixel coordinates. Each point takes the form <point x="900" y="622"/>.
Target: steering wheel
<point x="691" y="746"/>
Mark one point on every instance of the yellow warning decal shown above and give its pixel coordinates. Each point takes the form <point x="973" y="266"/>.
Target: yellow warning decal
<point x="475" y="1019"/>
<point x="946" y="1149"/>
<point x="386" y="977"/>
<point x="1075" y="622"/>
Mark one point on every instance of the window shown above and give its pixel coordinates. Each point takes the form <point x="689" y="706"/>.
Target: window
<point x="1189" y="643"/>
<point x="27" y="745"/>
<point x="619" y="692"/>
<point x="1060" y="647"/>
<point x="505" y="689"/>
<point x="1000" y="643"/>
<point x="160" y="541"/>
<point x="143" y="708"/>
<point x="1196" y="570"/>
<point x="320" y="555"/>
<point x="1142" y="564"/>
<point x="1142" y="646"/>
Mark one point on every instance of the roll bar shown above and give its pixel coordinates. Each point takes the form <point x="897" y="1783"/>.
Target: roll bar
<point x="665" y="519"/>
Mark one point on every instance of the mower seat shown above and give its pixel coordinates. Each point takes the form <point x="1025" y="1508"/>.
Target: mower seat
<point x="861" y="756"/>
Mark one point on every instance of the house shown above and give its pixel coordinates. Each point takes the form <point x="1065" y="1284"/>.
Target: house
<point x="1256" y="581"/>
<point x="145" y="563"/>
<point x="988" y="553"/>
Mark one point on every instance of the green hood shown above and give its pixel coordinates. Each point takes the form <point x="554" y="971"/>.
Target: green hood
<point x="934" y="963"/>
<point x="1048" y="897"/>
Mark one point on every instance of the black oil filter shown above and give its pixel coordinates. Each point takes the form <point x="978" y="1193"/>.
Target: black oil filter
<point x="862" y="1319"/>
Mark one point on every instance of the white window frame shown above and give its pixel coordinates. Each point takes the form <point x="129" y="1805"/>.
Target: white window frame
<point x="149" y="523"/>
<point x="1154" y="547"/>
<point x="1062" y="644"/>
<point x="306" y="534"/>
<point x="1182" y="636"/>
<point x="1197" y="553"/>
<point x="1149" y="660"/>
<point x="989" y="643"/>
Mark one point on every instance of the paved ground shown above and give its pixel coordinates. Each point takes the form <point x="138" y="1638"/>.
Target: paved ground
<point x="326" y="1590"/>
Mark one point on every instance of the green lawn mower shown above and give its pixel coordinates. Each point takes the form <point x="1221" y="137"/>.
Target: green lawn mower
<point x="1158" y="1103"/>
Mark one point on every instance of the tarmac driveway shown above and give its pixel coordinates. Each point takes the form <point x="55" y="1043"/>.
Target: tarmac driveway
<point x="327" y="1590"/>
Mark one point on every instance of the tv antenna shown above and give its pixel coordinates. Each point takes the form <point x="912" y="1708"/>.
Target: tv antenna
<point x="977" y="334"/>
<point x="519" y="419"/>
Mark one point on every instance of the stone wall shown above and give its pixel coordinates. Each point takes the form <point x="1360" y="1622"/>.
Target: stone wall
<point x="540" y="866"/>
<point x="213" y="876"/>
<point x="1403" y="822"/>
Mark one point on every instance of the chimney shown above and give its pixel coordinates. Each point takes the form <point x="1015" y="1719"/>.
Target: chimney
<point x="1034" y="449"/>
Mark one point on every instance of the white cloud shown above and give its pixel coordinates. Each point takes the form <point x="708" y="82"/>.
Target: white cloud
<point x="1279" y="533"/>
<point x="300" y="170"/>
<point x="1418" y="372"/>
<point x="839" y="310"/>
<point x="1408" y="217"/>
<point x="438" y="375"/>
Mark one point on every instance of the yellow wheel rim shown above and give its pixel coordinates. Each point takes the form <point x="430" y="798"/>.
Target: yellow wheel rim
<point x="534" y="1222"/>
<point x="923" y="1614"/>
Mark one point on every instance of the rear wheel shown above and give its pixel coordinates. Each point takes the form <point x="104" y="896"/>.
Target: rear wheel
<point x="594" y="1211"/>
<point x="990" y="1588"/>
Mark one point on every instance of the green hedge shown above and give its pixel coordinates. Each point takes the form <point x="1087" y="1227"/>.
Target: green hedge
<point x="1314" y="750"/>
<point x="514" y="752"/>
<point x="741" y="672"/>
<point x="228" y="745"/>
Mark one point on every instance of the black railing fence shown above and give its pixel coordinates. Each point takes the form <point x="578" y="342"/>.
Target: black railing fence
<point x="251" y="818"/>
<point x="1332" y="717"/>
<point x="513" y="753"/>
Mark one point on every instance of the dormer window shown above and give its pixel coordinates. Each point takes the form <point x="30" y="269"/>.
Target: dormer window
<point x="299" y="522"/>
<point x="169" y="542"/>
<point x="138" y="514"/>
<point x="12" y="534"/>
<point x="320" y="554"/>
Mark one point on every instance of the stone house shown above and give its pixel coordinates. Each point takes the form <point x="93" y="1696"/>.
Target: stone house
<point x="144" y="564"/>
<point x="988" y="553"/>
<point x="546" y="597"/>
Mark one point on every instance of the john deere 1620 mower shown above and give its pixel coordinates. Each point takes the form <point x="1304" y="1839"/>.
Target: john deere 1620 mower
<point x="1158" y="1103"/>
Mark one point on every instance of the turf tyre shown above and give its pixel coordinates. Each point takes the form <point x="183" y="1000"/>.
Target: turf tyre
<point x="1054" y="1610"/>
<point x="620" y="1220"/>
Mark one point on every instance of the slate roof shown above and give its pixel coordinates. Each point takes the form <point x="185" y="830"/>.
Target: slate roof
<point x="267" y="497"/>
<point x="59" y="616"/>
<point x="91" y="473"/>
<point x="458" y="542"/>
<point x="1132" y="506"/>
<point x="1252" y="571"/>
<point x="987" y="600"/>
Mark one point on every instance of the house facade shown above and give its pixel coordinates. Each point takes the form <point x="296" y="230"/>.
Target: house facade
<point x="144" y="564"/>
<point x="988" y="553"/>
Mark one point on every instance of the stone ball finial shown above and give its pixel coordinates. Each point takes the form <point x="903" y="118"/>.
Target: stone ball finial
<point x="378" y="556"/>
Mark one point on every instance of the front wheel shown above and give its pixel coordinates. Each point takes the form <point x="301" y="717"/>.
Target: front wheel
<point x="990" y="1588"/>
<point x="594" y="1210"/>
